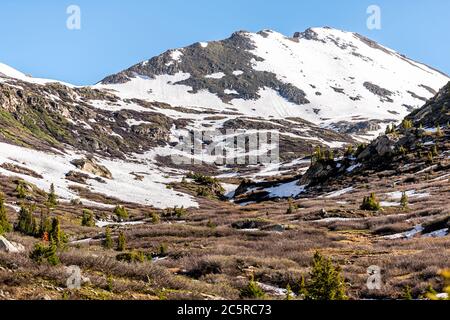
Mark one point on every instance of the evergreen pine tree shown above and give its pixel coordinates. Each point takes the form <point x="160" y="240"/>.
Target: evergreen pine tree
<point x="371" y="203"/>
<point x="288" y="292"/>
<point x="55" y="232"/>
<point x="435" y="151"/>
<point x="52" y="198"/>
<point x="43" y="253"/>
<point x="121" y="212"/>
<point x="27" y="222"/>
<point x="404" y="200"/>
<point x="5" y="226"/>
<point x="21" y="190"/>
<point x="45" y="225"/>
<point x="88" y="219"/>
<point x="108" y="243"/>
<point x="407" y="294"/>
<point x="325" y="281"/>
<point x="291" y="208"/>
<point x="155" y="218"/>
<point x="430" y="157"/>
<point x="252" y="290"/>
<point x="121" y="242"/>
<point x="407" y="124"/>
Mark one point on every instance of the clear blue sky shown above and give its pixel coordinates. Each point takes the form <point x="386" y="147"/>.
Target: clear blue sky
<point x="116" y="34"/>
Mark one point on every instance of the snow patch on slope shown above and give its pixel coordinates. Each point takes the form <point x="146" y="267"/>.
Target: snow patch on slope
<point x="150" y="191"/>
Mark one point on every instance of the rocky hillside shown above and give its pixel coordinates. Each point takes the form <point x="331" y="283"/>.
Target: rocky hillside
<point x="419" y="145"/>
<point x="329" y="77"/>
<point x="322" y="87"/>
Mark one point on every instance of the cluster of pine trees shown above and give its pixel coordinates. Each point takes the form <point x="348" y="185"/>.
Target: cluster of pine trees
<point x="322" y="156"/>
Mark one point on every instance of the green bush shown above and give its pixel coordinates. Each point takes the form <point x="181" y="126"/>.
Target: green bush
<point x="5" y="226"/>
<point x="156" y="219"/>
<point x="402" y="150"/>
<point x="202" y="179"/>
<point x="407" y="294"/>
<point x="432" y="294"/>
<point x="430" y="157"/>
<point x="42" y="253"/>
<point x="435" y="151"/>
<point x="88" y="218"/>
<point x="407" y="124"/>
<point x="325" y="281"/>
<point x="349" y="151"/>
<point x="252" y="291"/>
<point x="121" y="212"/>
<point x="163" y="250"/>
<point x="291" y="208"/>
<point x="204" y="192"/>
<point x="131" y="257"/>
<point x="209" y="186"/>
<point x="175" y="212"/>
<point x="21" y="190"/>
<point x="371" y="203"/>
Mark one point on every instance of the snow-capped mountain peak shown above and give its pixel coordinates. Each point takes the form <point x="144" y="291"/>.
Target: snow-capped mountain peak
<point x="7" y="72"/>
<point x="332" y="78"/>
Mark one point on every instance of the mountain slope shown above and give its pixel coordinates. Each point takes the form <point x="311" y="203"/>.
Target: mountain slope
<point x="328" y="77"/>
<point x="408" y="153"/>
<point x="323" y="87"/>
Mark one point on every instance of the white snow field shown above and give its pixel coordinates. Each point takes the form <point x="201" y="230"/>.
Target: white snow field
<point x="53" y="167"/>
<point x="9" y="72"/>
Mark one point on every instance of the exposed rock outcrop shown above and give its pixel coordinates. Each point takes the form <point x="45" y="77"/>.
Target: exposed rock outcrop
<point x="89" y="165"/>
<point x="10" y="247"/>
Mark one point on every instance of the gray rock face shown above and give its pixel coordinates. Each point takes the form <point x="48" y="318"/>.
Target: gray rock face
<point x="384" y="94"/>
<point x="10" y="247"/>
<point x="359" y="127"/>
<point x="382" y="146"/>
<point x="54" y="116"/>
<point x="308" y="34"/>
<point x="317" y="173"/>
<point x="435" y="111"/>
<point x="224" y="56"/>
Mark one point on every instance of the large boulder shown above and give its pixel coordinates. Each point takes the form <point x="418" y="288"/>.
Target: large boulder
<point x="382" y="146"/>
<point x="10" y="247"/>
<point x="90" y="166"/>
<point x="317" y="173"/>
